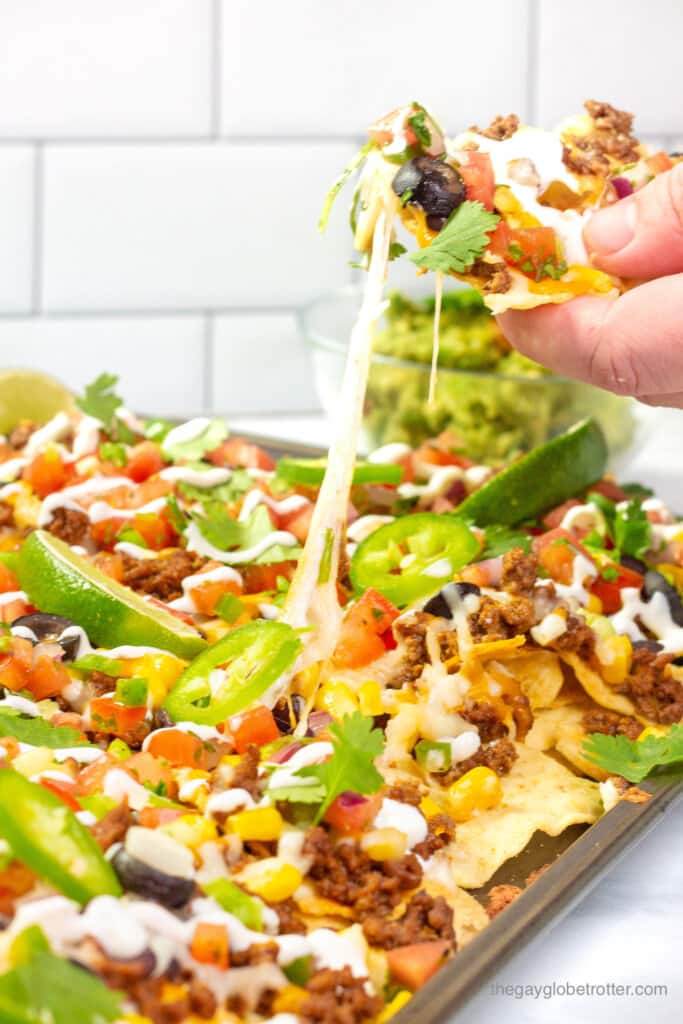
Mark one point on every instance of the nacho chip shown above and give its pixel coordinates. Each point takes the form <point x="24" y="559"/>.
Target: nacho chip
<point x="538" y="794"/>
<point x="539" y="674"/>
<point x="596" y="687"/>
<point x="561" y="729"/>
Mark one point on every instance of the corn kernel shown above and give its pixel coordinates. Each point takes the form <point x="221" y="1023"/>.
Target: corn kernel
<point x="370" y="698"/>
<point x="307" y="680"/>
<point x="273" y="879"/>
<point x="231" y="759"/>
<point x="338" y="698"/>
<point x="479" y="789"/>
<point x="160" y="670"/>
<point x="290" y="999"/>
<point x="594" y="604"/>
<point x="192" y="830"/>
<point x="614" y="654"/>
<point x="262" y="823"/>
<point x="384" y="843"/>
<point x="652" y="730"/>
<point x="396" y="1004"/>
<point x="429" y="807"/>
<point x="215" y="630"/>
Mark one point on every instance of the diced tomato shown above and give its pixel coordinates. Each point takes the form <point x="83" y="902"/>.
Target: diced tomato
<point x="553" y="518"/>
<point x="609" y="591"/>
<point x="144" y="460"/>
<point x="659" y="162"/>
<point x="389" y="640"/>
<point x="64" y="790"/>
<point x="149" y="490"/>
<point x="71" y="719"/>
<point x="153" y="817"/>
<point x="8" y="581"/>
<point x="181" y="749"/>
<point x="360" y="641"/>
<point x="12" y="610"/>
<point x="105" y="532"/>
<point x="527" y="249"/>
<point x="434" y="456"/>
<point x="477" y="173"/>
<point x="556" y="551"/>
<point x="91" y="778"/>
<point x="47" y="678"/>
<point x="155" y="529"/>
<point x="207" y="595"/>
<point x="210" y="945"/>
<point x="350" y="812"/>
<point x="264" y="577"/>
<point x="255" y="726"/>
<point x="150" y="771"/>
<point x="10" y="747"/>
<point x="414" y="965"/>
<point x="238" y="452"/>
<point x="297" y="522"/>
<point x="610" y="490"/>
<point x="46" y="473"/>
<point x="109" y="715"/>
<point x="384" y="131"/>
<point x="112" y="564"/>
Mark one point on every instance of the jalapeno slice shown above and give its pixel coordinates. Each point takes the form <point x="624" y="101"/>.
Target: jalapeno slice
<point x="310" y="472"/>
<point x="48" y="837"/>
<point x="234" y="673"/>
<point x="413" y="556"/>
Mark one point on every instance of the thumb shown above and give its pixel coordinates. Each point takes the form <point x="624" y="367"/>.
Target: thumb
<point x="641" y="236"/>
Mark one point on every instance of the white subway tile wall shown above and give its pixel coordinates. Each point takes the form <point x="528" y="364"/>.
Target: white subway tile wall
<point x="162" y="163"/>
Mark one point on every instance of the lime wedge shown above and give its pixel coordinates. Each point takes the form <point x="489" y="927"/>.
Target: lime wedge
<point x="56" y="580"/>
<point x="30" y="395"/>
<point x="542" y="479"/>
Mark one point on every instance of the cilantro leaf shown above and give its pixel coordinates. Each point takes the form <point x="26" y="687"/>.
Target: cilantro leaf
<point x="298" y="794"/>
<point x="101" y="401"/>
<point x="418" y="122"/>
<point x="627" y="525"/>
<point x="38" y="732"/>
<point x="239" y="483"/>
<point x="500" y="539"/>
<point x="462" y="241"/>
<point x="209" y="438"/>
<point x="351" y="768"/>
<point x="396" y="250"/>
<point x="49" y="990"/>
<point x="113" y="451"/>
<point x="228" y="534"/>
<point x="634" y="759"/>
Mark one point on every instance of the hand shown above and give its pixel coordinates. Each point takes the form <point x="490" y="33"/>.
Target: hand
<point x="632" y="345"/>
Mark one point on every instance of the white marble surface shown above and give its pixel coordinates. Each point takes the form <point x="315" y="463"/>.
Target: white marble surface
<point x="629" y="930"/>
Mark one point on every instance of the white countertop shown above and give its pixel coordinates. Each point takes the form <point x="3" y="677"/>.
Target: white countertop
<point x="629" y="930"/>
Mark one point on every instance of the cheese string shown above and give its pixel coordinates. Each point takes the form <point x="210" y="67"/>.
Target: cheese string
<point x="312" y="601"/>
<point x="438" y="294"/>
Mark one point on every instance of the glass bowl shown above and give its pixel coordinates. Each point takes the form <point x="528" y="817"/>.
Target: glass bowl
<point x="495" y="416"/>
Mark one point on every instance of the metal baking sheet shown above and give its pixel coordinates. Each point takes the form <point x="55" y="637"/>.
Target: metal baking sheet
<point x="578" y="859"/>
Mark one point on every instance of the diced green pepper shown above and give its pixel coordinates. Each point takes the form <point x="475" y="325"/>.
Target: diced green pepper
<point x="27" y="943"/>
<point x="237" y="902"/>
<point x="229" y="607"/>
<point x="132" y="692"/>
<point x="433" y="756"/>
<point x="48" y="837"/>
<point x="119" y="749"/>
<point x="310" y="472"/>
<point x="299" y="971"/>
<point x="247" y="662"/>
<point x="98" y="663"/>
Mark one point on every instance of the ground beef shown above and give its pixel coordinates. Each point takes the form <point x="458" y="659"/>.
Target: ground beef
<point x="494" y="276"/>
<point x="411" y="635"/>
<point x="343" y="872"/>
<point x="494" y="621"/>
<point x="652" y="689"/>
<point x="483" y="715"/>
<point x="20" y="435"/>
<point x="147" y="995"/>
<point x="500" y="897"/>
<point x="161" y="577"/>
<point x="440" y="834"/>
<point x="405" y="793"/>
<point x="290" y="922"/>
<point x="519" y="572"/>
<point x="6" y="514"/>
<point x="112" y="827"/>
<point x="499" y="755"/>
<point x="577" y="638"/>
<point x="257" y="953"/>
<point x="611" y="139"/>
<point x="101" y="683"/>
<point x="70" y="525"/>
<point x="338" y="997"/>
<point x="425" y="918"/>
<point x="246" y="772"/>
<point x="500" y="128"/>
<point x="611" y="724"/>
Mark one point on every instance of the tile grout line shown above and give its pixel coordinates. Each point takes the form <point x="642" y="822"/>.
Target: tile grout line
<point x="533" y="40"/>
<point x="237" y="139"/>
<point x="216" y="69"/>
<point x="161" y="314"/>
<point x="38" y="225"/>
<point x="207" y="348"/>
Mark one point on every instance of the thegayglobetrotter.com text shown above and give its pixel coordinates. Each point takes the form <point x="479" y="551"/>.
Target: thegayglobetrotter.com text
<point x="562" y="989"/>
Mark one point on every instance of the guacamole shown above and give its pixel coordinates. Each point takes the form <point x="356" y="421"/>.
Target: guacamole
<point x="499" y="402"/>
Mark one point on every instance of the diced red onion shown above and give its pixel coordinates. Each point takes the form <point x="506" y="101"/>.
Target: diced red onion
<point x="317" y="721"/>
<point x="284" y="754"/>
<point x="492" y="569"/>
<point x="349" y="799"/>
<point x="622" y="187"/>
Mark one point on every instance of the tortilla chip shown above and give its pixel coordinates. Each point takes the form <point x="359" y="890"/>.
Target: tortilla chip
<point x="520" y="295"/>
<point x="538" y="793"/>
<point x="539" y="674"/>
<point x="469" y="917"/>
<point x="596" y="687"/>
<point x="561" y="729"/>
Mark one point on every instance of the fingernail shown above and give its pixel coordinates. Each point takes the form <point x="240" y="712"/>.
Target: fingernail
<point x="610" y="230"/>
